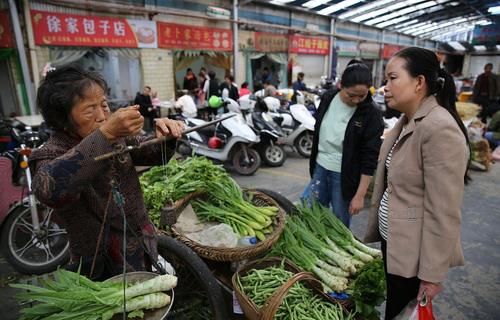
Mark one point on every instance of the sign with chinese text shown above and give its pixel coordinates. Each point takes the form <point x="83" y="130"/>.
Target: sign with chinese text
<point x="369" y="50"/>
<point x="389" y="50"/>
<point x="347" y="48"/>
<point x="59" y="29"/>
<point x="6" y="36"/>
<point x="271" y="42"/>
<point x="309" y="45"/>
<point x="178" y="36"/>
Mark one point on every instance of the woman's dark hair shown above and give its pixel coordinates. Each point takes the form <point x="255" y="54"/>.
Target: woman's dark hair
<point x="60" y="90"/>
<point x="440" y="83"/>
<point x="244" y="85"/>
<point x="356" y="73"/>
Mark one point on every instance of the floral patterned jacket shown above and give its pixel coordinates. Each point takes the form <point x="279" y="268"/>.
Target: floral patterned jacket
<point x="68" y="179"/>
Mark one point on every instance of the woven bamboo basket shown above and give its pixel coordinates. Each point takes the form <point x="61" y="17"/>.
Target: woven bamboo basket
<point x="171" y="211"/>
<point x="268" y="311"/>
<point x="239" y="253"/>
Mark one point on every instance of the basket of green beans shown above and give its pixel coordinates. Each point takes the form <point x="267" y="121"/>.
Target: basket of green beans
<point x="274" y="288"/>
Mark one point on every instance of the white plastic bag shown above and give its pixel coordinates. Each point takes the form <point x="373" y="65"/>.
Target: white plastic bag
<point x="410" y="312"/>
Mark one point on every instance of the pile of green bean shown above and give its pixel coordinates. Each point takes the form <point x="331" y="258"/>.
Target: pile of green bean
<point x="300" y="303"/>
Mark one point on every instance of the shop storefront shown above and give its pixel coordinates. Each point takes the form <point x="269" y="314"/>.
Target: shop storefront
<point x="108" y="45"/>
<point x="197" y="47"/>
<point x="267" y="60"/>
<point x="308" y="55"/>
<point x="346" y="51"/>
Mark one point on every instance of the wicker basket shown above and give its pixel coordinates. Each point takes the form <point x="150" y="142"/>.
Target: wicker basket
<point x="240" y="253"/>
<point x="268" y="311"/>
<point x="171" y="211"/>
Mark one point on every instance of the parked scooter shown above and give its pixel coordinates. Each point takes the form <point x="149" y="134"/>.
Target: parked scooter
<point x="297" y="124"/>
<point x="229" y="141"/>
<point x="256" y="114"/>
<point x="33" y="240"/>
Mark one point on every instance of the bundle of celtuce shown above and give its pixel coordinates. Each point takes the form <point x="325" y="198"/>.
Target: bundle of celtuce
<point x="73" y="296"/>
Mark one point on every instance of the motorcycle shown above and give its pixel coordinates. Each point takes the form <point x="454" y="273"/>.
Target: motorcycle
<point x="229" y="141"/>
<point x="256" y="114"/>
<point x="33" y="240"/>
<point x="297" y="124"/>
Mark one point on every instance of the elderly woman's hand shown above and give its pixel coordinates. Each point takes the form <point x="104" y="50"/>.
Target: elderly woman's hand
<point x="165" y="127"/>
<point x="123" y="123"/>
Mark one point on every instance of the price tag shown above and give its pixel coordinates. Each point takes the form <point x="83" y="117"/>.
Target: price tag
<point x="236" y="305"/>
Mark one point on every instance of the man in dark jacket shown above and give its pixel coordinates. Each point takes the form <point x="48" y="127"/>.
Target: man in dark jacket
<point x="232" y="90"/>
<point x="146" y="107"/>
<point x="486" y="91"/>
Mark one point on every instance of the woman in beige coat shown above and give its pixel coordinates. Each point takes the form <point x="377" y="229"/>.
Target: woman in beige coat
<point x="421" y="171"/>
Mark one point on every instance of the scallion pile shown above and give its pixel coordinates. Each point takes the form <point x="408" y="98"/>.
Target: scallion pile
<point x="73" y="296"/>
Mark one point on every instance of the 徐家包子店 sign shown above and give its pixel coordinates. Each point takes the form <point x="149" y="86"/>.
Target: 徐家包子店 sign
<point x="60" y="29"/>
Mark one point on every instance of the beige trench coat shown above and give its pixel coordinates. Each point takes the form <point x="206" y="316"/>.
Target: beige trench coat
<point x="425" y="182"/>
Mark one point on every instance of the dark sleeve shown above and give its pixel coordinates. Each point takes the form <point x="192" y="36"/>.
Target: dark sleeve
<point x="153" y="155"/>
<point x="58" y="182"/>
<point x="475" y="89"/>
<point x="370" y="146"/>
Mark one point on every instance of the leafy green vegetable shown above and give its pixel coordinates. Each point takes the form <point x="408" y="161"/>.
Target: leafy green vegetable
<point x="166" y="184"/>
<point x="369" y="289"/>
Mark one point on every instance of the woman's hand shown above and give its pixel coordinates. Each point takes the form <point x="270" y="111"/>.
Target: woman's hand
<point x="165" y="127"/>
<point x="431" y="290"/>
<point x="356" y="205"/>
<point x="123" y="123"/>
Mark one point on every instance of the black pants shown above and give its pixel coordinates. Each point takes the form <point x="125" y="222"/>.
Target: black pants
<point x="400" y="290"/>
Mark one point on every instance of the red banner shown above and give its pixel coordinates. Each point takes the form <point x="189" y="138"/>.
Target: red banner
<point x="61" y="29"/>
<point x="309" y="45"/>
<point x="389" y="50"/>
<point x="178" y="36"/>
<point x="271" y="42"/>
<point x="6" y="35"/>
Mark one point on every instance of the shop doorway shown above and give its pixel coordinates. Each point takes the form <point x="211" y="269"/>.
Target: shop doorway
<point x="220" y="63"/>
<point x="8" y="101"/>
<point x="265" y="68"/>
<point x="121" y="73"/>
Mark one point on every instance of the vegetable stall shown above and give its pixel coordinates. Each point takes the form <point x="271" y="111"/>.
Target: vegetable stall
<point x="273" y="264"/>
<point x="351" y="274"/>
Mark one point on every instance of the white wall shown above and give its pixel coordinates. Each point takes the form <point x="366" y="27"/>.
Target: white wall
<point x="476" y="64"/>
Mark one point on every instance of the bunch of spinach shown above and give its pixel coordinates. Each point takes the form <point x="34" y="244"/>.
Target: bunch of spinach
<point x="166" y="184"/>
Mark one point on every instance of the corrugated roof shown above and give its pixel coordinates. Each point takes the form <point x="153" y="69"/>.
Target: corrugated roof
<point x="428" y="19"/>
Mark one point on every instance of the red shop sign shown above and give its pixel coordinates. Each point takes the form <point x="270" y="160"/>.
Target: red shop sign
<point x="6" y="39"/>
<point x="61" y="29"/>
<point x="178" y="36"/>
<point x="309" y="45"/>
<point x="389" y="50"/>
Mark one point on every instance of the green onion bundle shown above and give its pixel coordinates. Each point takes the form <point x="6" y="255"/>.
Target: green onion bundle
<point x="318" y="242"/>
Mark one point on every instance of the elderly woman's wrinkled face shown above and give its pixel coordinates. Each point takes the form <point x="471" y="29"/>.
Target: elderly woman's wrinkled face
<point x="90" y="112"/>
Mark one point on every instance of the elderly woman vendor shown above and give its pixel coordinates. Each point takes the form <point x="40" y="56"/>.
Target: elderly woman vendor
<point x="68" y="179"/>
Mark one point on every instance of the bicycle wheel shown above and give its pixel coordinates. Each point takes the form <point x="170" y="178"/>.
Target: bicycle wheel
<point x="32" y="252"/>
